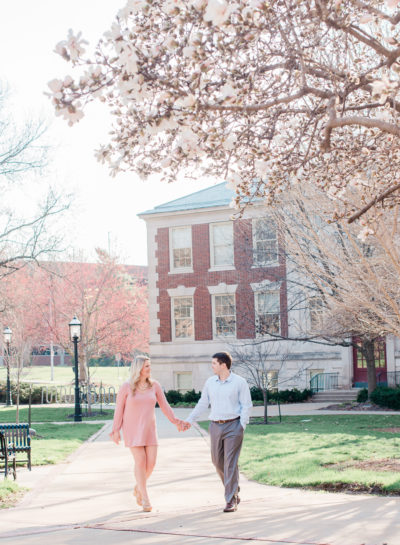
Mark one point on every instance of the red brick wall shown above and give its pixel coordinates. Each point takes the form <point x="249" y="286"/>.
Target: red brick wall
<point x="243" y="275"/>
<point x="44" y="359"/>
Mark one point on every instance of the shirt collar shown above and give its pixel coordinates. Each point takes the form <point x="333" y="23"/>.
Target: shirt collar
<point x="229" y="379"/>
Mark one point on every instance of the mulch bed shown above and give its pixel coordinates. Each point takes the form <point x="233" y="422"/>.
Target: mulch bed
<point x="383" y="464"/>
<point x="355" y="407"/>
<point x="353" y="488"/>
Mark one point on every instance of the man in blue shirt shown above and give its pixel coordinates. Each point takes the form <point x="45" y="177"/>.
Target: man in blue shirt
<point x="230" y="400"/>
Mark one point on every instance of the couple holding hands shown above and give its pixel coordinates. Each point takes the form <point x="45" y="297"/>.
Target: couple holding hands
<point x="230" y="400"/>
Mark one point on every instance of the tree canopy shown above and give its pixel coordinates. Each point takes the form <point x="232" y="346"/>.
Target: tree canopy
<point x="263" y="94"/>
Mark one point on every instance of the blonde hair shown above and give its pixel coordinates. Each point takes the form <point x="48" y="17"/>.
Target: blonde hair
<point x="136" y="367"/>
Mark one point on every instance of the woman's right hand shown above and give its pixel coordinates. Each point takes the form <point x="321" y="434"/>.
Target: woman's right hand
<point x="115" y="436"/>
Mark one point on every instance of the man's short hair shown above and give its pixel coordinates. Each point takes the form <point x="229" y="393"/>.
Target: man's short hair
<point x="224" y="357"/>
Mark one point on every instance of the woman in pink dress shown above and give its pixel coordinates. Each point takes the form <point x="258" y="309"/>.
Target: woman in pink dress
<point x="135" y="414"/>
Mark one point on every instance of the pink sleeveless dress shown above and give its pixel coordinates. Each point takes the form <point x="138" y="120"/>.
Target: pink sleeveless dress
<point x="136" y="416"/>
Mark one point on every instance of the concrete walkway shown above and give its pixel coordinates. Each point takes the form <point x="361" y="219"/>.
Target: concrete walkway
<point x="89" y="500"/>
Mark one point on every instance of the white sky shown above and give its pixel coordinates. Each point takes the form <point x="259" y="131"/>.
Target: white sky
<point x="104" y="208"/>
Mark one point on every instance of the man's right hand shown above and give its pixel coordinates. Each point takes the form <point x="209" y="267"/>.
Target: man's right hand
<point x="183" y="426"/>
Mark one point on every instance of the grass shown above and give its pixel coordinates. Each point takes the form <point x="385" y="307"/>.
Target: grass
<point x="50" y="414"/>
<point x="55" y="442"/>
<point x="52" y="445"/>
<point x="110" y="376"/>
<point x="10" y="492"/>
<point x="322" y="452"/>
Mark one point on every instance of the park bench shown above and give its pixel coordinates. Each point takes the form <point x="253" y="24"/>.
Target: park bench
<point x="18" y="437"/>
<point x="7" y="457"/>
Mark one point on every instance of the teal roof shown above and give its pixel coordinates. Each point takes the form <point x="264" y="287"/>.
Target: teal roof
<point x="216" y="195"/>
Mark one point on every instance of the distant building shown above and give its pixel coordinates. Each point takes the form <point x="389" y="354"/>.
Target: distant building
<point x="214" y="282"/>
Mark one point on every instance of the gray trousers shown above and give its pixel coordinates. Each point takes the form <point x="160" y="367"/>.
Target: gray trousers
<point x="226" y="443"/>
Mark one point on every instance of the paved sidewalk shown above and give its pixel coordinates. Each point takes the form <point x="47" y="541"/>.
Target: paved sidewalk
<point x="89" y="500"/>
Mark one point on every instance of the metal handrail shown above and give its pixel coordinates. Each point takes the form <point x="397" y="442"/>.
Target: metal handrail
<point x="392" y="378"/>
<point x="324" y="381"/>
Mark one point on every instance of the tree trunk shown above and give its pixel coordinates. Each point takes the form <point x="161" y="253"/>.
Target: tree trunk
<point x="82" y="369"/>
<point x="265" y="398"/>
<point x="17" y="408"/>
<point x="368" y="347"/>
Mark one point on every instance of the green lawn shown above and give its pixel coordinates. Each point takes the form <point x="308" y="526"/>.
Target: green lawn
<point x="50" y="414"/>
<point x="324" y="452"/>
<point x="9" y="493"/>
<point x="55" y="442"/>
<point x="111" y="376"/>
<point x="52" y="445"/>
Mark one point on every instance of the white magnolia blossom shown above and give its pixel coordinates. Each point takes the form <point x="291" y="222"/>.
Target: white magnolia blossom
<point x="217" y="12"/>
<point x="279" y="93"/>
<point x="365" y="233"/>
<point x="227" y="91"/>
<point x="72" y="46"/>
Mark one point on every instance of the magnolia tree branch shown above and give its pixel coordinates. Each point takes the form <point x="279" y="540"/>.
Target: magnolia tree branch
<point x="253" y="93"/>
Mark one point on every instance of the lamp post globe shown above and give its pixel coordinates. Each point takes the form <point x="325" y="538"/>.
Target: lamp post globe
<point x="75" y="335"/>
<point x="7" y="333"/>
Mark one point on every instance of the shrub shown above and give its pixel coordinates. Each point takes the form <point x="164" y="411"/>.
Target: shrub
<point x="256" y="394"/>
<point x="191" y="396"/>
<point x="386" y="397"/>
<point x="362" y="396"/>
<point x="173" y="396"/>
<point x="284" y="396"/>
<point x="23" y="393"/>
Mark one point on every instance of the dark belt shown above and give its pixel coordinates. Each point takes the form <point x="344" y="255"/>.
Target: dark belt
<point x="225" y="421"/>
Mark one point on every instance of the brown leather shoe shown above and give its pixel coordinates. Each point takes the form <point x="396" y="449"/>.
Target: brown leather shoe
<point x="231" y="505"/>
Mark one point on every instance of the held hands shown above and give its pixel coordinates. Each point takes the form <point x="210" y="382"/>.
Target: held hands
<point x="182" y="425"/>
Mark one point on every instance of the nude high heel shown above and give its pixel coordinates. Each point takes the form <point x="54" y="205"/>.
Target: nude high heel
<point x="146" y="505"/>
<point x="137" y="494"/>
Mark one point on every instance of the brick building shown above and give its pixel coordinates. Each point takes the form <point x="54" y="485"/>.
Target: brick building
<point x="215" y="283"/>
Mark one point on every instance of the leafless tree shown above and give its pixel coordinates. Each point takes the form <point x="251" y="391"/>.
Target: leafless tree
<point x="264" y="365"/>
<point x="24" y="237"/>
<point x="349" y="285"/>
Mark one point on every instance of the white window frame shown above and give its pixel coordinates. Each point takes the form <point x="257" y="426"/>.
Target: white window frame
<point x="173" y="299"/>
<point x="264" y="287"/>
<point x="177" y="270"/>
<point x="256" y="262"/>
<point x="213" y="266"/>
<point x="315" y="311"/>
<point x="176" y="374"/>
<point x="222" y="290"/>
<point x="272" y="379"/>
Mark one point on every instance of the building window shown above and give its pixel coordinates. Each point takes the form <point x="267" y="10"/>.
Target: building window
<point x="265" y="242"/>
<point x="268" y="312"/>
<point x="270" y="379"/>
<point x="182" y="309"/>
<point x="183" y="381"/>
<point x="224" y="315"/>
<point x="316" y="308"/>
<point x="181" y="248"/>
<point x="221" y="239"/>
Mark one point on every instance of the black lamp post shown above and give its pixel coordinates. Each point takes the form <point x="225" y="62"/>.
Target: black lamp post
<point x="75" y="335"/>
<point x="7" y="341"/>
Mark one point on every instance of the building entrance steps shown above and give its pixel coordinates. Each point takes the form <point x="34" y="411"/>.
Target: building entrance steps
<point x="336" y="396"/>
<point x="89" y="500"/>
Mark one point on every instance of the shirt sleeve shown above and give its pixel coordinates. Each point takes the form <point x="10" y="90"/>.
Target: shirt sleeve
<point x="245" y="404"/>
<point x="202" y="405"/>
<point x="163" y="403"/>
<point x="120" y="407"/>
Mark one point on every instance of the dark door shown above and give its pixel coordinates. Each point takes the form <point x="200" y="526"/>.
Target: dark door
<point x="360" y="379"/>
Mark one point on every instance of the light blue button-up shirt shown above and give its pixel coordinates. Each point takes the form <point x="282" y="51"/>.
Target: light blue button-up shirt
<point x="228" y="398"/>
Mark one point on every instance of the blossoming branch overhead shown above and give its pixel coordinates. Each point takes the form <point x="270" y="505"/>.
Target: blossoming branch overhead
<point x="262" y="94"/>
